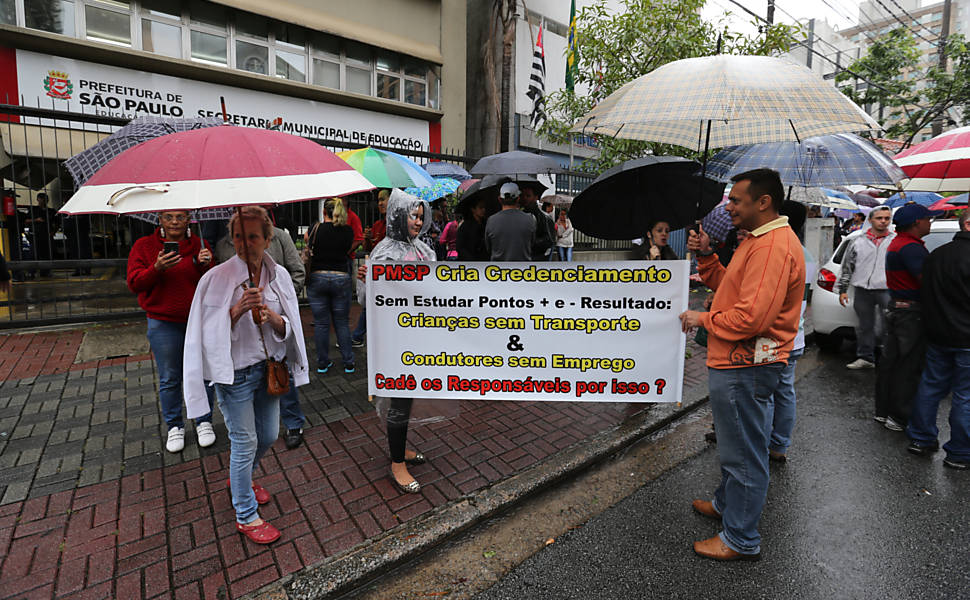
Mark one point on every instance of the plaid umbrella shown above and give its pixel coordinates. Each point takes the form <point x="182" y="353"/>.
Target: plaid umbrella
<point x="741" y="99"/>
<point x="717" y="223"/>
<point x="449" y="170"/>
<point x="84" y="164"/>
<point x="828" y="160"/>
<point x="442" y="187"/>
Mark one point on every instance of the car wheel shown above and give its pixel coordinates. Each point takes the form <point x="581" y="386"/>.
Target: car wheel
<point x="828" y="342"/>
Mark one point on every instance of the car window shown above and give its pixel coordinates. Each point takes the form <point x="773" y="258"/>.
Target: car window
<point x="840" y="251"/>
<point x="935" y="239"/>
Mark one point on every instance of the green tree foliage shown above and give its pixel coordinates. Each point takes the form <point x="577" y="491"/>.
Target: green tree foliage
<point x="892" y="66"/>
<point x="618" y="46"/>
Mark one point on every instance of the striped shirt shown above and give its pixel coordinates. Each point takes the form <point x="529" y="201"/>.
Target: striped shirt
<point x="904" y="266"/>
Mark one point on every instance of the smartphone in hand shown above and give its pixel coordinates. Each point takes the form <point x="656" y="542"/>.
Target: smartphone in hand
<point x="171" y="247"/>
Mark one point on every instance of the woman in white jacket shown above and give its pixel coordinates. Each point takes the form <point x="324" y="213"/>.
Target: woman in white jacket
<point x="233" y="325"/>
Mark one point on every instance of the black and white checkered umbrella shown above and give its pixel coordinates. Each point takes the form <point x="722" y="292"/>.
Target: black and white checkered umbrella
<point x="86" y="163"/>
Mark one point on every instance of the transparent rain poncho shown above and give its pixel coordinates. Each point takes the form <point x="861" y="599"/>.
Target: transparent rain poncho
<point x="398" y="245"/>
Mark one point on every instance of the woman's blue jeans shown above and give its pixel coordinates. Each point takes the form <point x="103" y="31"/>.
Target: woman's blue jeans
<point x="167" y="340"/>
<point x="252" y="418"/>
<point x="329" y="295"/>
<point x="565" y="254"/>
<point x="741" y="403"/>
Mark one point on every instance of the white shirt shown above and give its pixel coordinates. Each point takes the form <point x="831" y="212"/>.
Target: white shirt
<point x="247" y="347"/>
<point x="211" y="341"/>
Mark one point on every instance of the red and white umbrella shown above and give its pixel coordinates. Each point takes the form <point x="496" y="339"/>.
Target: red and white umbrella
<point x="939" y="164"/>
<point x="215" y="167"/>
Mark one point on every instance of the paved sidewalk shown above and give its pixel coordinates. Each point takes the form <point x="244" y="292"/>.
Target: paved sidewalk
<point x="92" y="507"/>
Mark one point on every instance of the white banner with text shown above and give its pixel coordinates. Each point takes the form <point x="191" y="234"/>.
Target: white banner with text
<point x="600" y="332"/>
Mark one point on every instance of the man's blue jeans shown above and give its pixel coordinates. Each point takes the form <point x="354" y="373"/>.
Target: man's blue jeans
<point x="252" y="417"/>
<point x="946" y="370"/>
<point x="783" y="419"/>
<point x="741" y="403"/>
<point x="167" y="341"/>
<point x="329" y="295"/>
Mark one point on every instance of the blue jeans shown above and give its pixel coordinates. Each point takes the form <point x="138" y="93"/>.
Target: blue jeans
<point x="741" y="403"/>
<point x="783" y="419"/>
<point x="252" y="418"/>
<point x="329" y="295"/>
<point x="946" y="370"/>
<point x="290" y="409"/>
<point x="357" y="335"/>
<point x="167" y="340"/>
<point x="565" y="254"/>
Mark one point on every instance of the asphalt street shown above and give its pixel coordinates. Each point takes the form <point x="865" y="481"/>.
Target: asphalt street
<point x="851" y="515"/>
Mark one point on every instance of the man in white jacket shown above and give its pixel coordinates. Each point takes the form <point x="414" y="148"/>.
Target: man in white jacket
<point x="864" y="268"/>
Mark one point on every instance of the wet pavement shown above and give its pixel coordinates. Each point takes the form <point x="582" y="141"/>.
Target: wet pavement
<point x="851" y="515"/>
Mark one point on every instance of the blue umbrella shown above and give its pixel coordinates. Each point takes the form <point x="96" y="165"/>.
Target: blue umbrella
<point x="823" y="161"/>
<point x="924" y="198"/>
<point x="443" y="169"/>
<point x="442" y="187"/>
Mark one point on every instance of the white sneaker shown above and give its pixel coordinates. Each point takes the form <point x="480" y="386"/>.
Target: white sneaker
<point x="176" y="439"/>
<point x="205" y="433"/>
<point x="860" y="363"/>
<point x="892" y="425"/>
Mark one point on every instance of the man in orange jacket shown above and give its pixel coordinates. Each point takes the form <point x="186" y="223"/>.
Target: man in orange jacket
<point x="751" y="330"/>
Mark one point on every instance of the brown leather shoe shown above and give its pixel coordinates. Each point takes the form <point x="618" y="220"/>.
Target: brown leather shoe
<point x="705" y="508"/>
<point x="775" y="456"/>
<point x="716" y="549"/>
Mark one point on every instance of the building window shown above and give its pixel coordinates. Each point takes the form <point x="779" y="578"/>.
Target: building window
<point x="8" y="12"/>
<point x="358" y="81"/>
<point x="208" y="48"/>
<point x="326" y="73"/>
<point x="161" y="38"/>
<point x="252" y="57"/>
<point x="290" y="65"/>
<point x="109" y="25"/>
<point x="55" y="16"/>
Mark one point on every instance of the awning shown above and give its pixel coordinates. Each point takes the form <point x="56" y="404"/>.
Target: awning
<point x="36" y="141"/>
<point x="298" y="11"/>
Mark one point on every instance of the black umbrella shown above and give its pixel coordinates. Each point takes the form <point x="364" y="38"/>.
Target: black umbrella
<point x="623" y="202"/>
<point x="484" y="189"/>
<point x="443" y="169"/>
<point x="516" y="163"/>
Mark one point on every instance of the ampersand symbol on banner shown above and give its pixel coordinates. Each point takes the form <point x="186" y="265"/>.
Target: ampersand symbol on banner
<point x="514" y="344"/>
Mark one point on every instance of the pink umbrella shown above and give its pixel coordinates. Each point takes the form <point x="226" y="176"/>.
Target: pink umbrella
<point x="938" y="164"/>
<point x="942" y="204"/>
<point x="215" y="167"/>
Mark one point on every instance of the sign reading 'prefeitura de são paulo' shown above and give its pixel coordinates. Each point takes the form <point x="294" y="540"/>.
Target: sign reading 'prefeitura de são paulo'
<point x="604" y="332"/>
<point x="80" y="86"/>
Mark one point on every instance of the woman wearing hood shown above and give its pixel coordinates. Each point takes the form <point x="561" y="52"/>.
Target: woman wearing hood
<point x="407" y="218"/>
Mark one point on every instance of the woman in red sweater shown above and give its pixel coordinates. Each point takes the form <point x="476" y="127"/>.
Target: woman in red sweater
<point x="165" y="282"/>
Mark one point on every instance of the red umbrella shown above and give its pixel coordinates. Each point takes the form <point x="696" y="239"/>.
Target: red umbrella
<point x="944" y="205"/>
<point x="213" y="167"/>
<point x="942" y="163"/>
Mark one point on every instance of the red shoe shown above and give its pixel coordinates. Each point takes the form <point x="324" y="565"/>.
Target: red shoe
<point x="262" y="496"/>
<point x="260" y="534"/>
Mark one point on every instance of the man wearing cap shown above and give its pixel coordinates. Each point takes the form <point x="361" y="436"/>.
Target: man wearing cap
<point x="510" y="233"/>
<point x="946" y="318"/>
<point x="864" y="268"/>
<point x="898" y="372"/>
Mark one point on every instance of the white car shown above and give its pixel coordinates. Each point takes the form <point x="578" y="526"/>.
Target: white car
<point x="835" y="323"/>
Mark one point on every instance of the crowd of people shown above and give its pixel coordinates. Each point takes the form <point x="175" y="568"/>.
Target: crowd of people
<point x="224" y="326"/>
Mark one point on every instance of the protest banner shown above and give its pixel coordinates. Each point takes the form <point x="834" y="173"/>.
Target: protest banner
<point x="602" y="332"/>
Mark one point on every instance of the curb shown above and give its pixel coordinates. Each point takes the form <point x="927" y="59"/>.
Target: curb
<point x="378" y="556"/>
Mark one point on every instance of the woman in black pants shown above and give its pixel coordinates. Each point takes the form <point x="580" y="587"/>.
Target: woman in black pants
<point x="407" y="218"/>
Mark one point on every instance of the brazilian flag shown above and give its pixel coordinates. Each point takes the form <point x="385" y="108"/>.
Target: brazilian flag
<point x="572" y="55"/>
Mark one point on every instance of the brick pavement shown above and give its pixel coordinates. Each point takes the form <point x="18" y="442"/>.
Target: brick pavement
<point x="93" y="507"/>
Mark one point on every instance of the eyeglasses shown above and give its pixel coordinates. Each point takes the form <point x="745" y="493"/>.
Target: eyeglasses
<point x="176" y="218"/>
